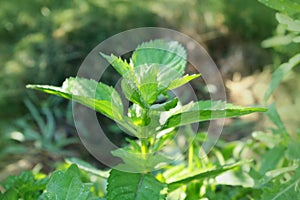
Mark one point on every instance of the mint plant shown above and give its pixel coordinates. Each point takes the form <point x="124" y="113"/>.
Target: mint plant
<point x="155" y="68"/>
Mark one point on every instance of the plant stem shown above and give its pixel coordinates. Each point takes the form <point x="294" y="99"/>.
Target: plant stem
<point x="190" y="157"/>
<point x="144" y="146"/>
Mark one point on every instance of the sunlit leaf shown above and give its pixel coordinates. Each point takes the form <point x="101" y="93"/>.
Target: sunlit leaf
<point x="147" y="82"/>
<point x="121" y="66"/>
<point x="207" y="110"/>
<point x="132" y="93"/>
<point x="90" y="93"/>
<point x="163" y="53"/>
<point x="182" y="80"/>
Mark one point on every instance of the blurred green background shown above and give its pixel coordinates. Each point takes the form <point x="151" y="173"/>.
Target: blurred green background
<point x="44" y="41"/>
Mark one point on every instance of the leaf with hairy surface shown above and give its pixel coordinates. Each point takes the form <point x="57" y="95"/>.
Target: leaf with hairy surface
<point x="129" y="186"/>
<point x="66" y="185"/>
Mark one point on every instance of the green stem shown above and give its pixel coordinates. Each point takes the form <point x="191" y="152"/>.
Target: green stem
<point x="191" y="157"/>
<point x="144" y="147"/>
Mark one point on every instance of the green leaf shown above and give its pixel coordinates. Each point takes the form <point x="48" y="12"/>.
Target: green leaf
<point x="277" y="40"/>
<point x="291" y="24"/>
<point x="121" y="66"/>
<point x="296" y="39"/>
<point x="279" y="74"/>
<point x="168" y="57"/>
<point x="157" y="65"/>
<point x="235" y="178"/>
<point x="10" y="194"/>
<point x="284" y="191"/>
<point x="142" y="86"/>
<point x="90" y="93"/>
<point x="162" y="141"/>
<point x="163" y="53"/>
<point x="87" y="167"/>
<point x="174" y="173"/>
<point x="289" y="7"/>
<point x="135" y="146"/>
<point x="200" y="175"/>
<point x="271" y="159"/>
<point x="182" y="80"/>
<point x="207" y="110"/>
<point x="272" y="175"/>
<point x="66" y="185"/>
<point x="149" y="128"/>
<point x="275" y="117"/>
<point x="147" y="82"/>
<point x="192" y="191"/>
<point x="137" y="162"/>
<point x="129" y="186"/>
<point x="24" y="186"/>
<point x="270" y="140"/>
<point x="165" y="106"/>
<point x="293" y="150"/>
<point x="132" y="93"/>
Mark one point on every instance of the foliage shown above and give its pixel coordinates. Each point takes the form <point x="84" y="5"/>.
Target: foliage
<point x="289" y="28"/>
<point x="39" y="41"/>
<point x="47" y="40"/>
<point x="44" y="134"/>
<point x="280" y="161"/>
<point x="134" y="186"/>
<point x="24" y="186"/>
<point x="280" y="73"/>
<point x="8" y="143"/>
<point x="155" y="68"/>
<point x="243" y="20"/>
<point x="279" y="164"/>
<point x="45" y="43"/>
<point x="67" y="183"/>
<point x="41" y="127"/>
